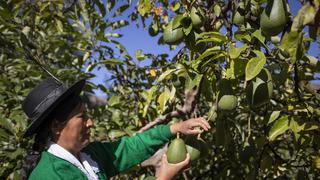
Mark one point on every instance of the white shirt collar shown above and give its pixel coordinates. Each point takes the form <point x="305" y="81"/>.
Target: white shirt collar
<point x="88" y="166"/>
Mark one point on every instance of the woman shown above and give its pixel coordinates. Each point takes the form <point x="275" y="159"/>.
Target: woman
<point x="62" y="128"/>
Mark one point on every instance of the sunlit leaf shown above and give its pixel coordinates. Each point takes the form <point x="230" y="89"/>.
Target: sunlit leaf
<point x="291" y="43"/>
<point x="59" y="25"/>
<point x="243" y="35"/>
<point x="305" y="15"/>
<point x="212" y="37"/>
<point x="144" y="7"/>
<point x="121" y="9"/>
<point x="257" y="34"/>
<point x="101" y="7"/>
<point x="165" y="75"/>
<point x="176" y="22"/>
<point x="162" y="99"/>
<point x="6" y="124"/>
<point x="110" y="4"/>
<point x="139" y="55"/>
<point x="113" y="100"/>
<point x="273" y="116"/>
<point x="279" y="127"/>
<point x="149" y="99"/>
<point x="114" y="134"/>
<point x="208" y="52"/>
<point x="212" y="114"/>
<point x="255" y="65"/>
<point x="237" y="68"/>
<point x="175" y="6"/>
<point x="235" y="52"/>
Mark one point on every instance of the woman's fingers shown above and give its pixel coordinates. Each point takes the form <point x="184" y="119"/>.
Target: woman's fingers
<point x="164" y="159"/>
<point x="204" y="122"/>
<point x="200" y="123"/>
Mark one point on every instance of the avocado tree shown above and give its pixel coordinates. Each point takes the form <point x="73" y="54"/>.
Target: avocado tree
<point x="244" y="65"/>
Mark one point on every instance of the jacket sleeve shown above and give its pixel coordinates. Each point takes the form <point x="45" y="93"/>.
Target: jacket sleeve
<point x="118" y="156"/>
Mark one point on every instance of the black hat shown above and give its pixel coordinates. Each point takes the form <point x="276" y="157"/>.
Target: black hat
<point x="44" y="98"/>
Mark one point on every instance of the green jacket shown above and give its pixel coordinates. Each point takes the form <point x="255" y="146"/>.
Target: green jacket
<point x="112" y="157"/>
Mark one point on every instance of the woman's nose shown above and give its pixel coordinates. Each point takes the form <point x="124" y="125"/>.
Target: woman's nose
<point x="89" y="123"/>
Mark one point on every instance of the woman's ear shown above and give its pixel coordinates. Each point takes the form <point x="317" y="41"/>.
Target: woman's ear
<point x="56" y="128"/>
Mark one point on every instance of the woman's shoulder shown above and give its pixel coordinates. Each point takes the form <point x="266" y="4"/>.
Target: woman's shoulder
<point x="52" y="167"/>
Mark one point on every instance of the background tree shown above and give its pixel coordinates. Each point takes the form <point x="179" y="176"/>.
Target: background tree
<point x="252" y="85"/>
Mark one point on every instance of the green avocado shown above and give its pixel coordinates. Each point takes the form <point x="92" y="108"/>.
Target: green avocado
<point x="196" y="147"/>
<point x="273" y="18"/>
<point x="172" y="36"/>
<point x="177" y="151"/>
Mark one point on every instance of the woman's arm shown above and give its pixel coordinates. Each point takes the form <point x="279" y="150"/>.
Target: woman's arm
<point x="118" y="156"/>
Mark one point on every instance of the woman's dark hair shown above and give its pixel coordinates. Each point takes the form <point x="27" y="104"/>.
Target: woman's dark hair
<point x="58" y="116"/>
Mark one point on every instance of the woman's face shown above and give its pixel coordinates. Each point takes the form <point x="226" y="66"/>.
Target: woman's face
<point x="76" y="133"/>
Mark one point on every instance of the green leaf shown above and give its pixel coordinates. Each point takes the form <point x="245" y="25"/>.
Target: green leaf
<point x="273" y="116"/>
<point x="121" y="9"/>
<point x="299" y="125"/>
<point x="139" y="55"/>
<point x="237" y="68"/>
<point x="101" y="7"/>
<point x="212" y="114"/>
<point x="90" y="67"/>
<point x="243" y="35"/>
<point x="113" y="100"/>
<point x="110" y="4"/>
<point x="305" y="15"/>
<point x="4" y="135"/>
<point x="117" y="25"/>
<point x="114" y="133"/>
<point x="16" y="154"/>
<point x="208" y="52"/>
<point x="119" y="46"/>
<point x="172" y="93"/>
<point x="176" y="22"/>
<point x="216" y="37"/>
<point x="313" y="62"/>
<point x="162" y="99"/>
<point x="26" y="31"/>
<point x="86" y="56"/>
<point x="204" y="64"/>
<point x="149" y="99"/>
<point x="144" y="7"/>
<point x="166" y="74"/>
<point x="175" y="6"/>
<point x="112" y="61"/>
<point x="257" y="34"/>
<point x="6" y="124"/>
<point x="235" y="52"/>
<point x="116" y="35"/>
<point x="191" y="83"/>
<point x="59" y="25"/>
<point x="255" y="65"/>
<point x="279" y="127"/>
<point x="291" y="43"/>
<point x="187" y="30"/>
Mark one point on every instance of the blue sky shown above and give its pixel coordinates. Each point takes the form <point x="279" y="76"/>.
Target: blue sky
<point x="135" y="38"/>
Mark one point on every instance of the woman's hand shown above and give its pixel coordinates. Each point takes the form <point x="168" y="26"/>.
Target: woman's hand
<point x="190" y="126"/>
<point x="168" y="171"/>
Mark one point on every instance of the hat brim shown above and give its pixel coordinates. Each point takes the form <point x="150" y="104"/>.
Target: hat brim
<point x="75" y="89"/>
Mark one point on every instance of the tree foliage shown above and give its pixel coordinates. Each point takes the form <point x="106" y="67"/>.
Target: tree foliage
<point x="254" y="89"/>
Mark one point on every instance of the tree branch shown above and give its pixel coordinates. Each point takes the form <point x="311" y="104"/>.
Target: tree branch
<point x="186" y="109"/>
